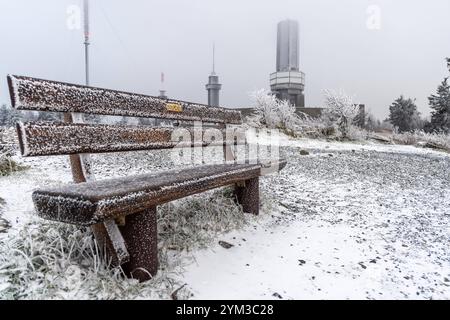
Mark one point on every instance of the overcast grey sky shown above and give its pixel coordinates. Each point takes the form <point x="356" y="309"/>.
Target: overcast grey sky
<point x="134" y="41"/>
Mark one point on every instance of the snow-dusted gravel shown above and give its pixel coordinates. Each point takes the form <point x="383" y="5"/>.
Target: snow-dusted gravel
<point x="345" y="221"/>
<point x="362" y="222"/>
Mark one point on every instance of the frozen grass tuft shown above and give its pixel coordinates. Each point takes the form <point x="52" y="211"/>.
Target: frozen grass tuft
<point x="8" y="165"/>
<point x="7" y="150"/>
<point x="195" y="223"/>
<point x="423" y="139"/>
<point x="356" y="133"/>
<point x="48" y="260"/>
<point x="4" y="224"/>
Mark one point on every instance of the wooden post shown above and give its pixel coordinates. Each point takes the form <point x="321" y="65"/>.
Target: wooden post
<point x="247" y="195"/>
<point x="141" y="237"/>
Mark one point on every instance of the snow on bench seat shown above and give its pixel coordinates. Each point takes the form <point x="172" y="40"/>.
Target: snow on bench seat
<point x="94" y="202"/>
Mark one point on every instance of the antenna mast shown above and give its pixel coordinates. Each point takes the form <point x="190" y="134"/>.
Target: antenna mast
<point x="214" y="59"/>
<point x="86" y="39"/>
<point x="213" y="86"/>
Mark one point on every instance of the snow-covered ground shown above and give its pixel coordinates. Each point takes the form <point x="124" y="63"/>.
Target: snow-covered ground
<point x="346" y="221"/>
<point x="353" y="221"/>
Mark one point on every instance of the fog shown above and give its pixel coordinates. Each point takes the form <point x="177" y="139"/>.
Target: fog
<point x="375" y="50"/>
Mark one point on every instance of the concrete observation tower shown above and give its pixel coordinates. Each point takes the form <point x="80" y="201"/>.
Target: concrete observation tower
<point x="288" y="82"/>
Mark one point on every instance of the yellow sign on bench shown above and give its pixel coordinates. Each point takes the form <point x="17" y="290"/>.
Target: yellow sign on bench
<point x="174" y="107"/>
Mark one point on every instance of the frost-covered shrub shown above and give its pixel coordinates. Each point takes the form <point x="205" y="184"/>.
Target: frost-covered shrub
<point x="274" y="113"/>
<point x="314" y="127"/>
<point x="265" y="106"/>
<point x="336" y="121"/>
<point x="287" y="115"/>
<point x="356" y="133"/>
<point x="423" y="139"/>
<point x="341" y="110"/>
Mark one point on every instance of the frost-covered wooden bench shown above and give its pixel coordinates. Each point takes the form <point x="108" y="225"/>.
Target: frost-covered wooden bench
<point x="122" y="211"/>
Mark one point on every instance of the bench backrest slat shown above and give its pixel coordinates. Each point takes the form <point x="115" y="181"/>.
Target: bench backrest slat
<point x="49" y="138"/>
<point x="44" y="95"/>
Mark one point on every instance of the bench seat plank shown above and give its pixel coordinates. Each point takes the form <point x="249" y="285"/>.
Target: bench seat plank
<point x="94" y="202"/>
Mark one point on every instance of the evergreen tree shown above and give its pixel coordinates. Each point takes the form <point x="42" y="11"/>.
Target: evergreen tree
<point x="403" y="114"/>
<point x="440" y="104"/>
<point x="371" y="123"/>
<point x="3" y="115"/>
<point x="9" y="116"/>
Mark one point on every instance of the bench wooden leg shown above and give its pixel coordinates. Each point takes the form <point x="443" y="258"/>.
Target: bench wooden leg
<point x="140" y="235"/>
<point x="110" y="239"/>
<point x="247" y="194"/>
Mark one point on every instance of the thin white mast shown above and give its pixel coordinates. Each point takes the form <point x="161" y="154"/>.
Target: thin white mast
<point x="214" y="58"/>
<point x="86" y="39"/>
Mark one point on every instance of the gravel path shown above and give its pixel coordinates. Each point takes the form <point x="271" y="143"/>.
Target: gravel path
<point x="364" y="223"/>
